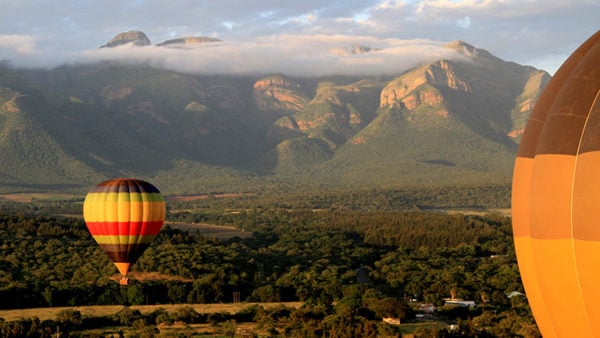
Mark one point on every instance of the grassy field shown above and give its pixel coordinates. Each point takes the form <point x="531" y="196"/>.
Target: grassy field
<point x="46" y="197"/>
<point x="108" y="310"/>
<point x="164" y="330"/>
<point x="49" y="197"/>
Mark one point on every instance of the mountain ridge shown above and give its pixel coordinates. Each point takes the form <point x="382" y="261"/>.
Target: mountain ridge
<point x="445" y="122"/>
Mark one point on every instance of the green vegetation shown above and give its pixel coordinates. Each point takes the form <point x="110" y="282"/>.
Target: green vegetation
<point x="350" y="267"/>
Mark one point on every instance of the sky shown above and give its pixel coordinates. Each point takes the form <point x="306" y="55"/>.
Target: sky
<point x="296" y="37"/>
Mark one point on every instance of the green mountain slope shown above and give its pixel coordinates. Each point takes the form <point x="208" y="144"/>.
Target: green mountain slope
<point x="31" y="155"/>
<point x="396" y="149"/>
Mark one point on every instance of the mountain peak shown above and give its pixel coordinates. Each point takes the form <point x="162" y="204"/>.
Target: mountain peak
<point x="138" y="38"/>
<point x="459" y="45"/>
<point x="187" y="41"/>
<point x="468" y="49"/>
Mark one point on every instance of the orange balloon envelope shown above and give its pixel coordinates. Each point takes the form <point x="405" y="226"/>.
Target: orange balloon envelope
<point x="123" y="215"/>
<point x="556" y="199"/>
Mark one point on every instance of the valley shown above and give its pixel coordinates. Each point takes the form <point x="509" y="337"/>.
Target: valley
<point x="358" y="197"/>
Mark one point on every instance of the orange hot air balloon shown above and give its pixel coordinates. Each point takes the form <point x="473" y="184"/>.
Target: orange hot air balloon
<point x="556" y="199"/>
<point x="123" y="215"/>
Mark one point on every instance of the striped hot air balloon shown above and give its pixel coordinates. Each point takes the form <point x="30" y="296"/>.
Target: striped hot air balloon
<point x="556" y="199"/>
<point x="123" y="215"/>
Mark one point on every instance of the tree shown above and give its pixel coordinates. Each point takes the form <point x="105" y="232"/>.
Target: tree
<point x="229" y="328"/>
<point x="186" y="314"/>
<point x="388" y="307"/>
<point x="135" y="294"/>
<point x="128" y="316"/>
<point x="69" y="319"/>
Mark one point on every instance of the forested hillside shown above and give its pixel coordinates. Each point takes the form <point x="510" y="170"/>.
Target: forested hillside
<point x="350" y="267"/>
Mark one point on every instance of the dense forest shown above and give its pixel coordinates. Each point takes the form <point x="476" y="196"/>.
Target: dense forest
<point x="349" y="267"/>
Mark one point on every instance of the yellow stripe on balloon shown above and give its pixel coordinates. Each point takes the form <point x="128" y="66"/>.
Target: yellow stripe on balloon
<point x="99" y="211"/>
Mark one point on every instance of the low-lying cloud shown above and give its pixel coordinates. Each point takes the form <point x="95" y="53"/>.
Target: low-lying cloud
<point x="296" y="55"/>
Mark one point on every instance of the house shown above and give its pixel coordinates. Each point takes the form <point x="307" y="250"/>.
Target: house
<point x="459" y="302"/>
<point x="427" y="308"/>
<point x="514" y="293"/>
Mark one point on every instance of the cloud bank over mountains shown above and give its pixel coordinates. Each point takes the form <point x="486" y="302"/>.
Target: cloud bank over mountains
<point x="541" y="33"/>
<point x="295" y="55"/>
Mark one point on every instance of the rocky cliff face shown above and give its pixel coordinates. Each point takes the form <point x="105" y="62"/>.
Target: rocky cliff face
<point x="422" y="91"/>
<point x="525" y="102"/>
<point x="491" y="95"/>
<point x="333" y="115"/>
<point x="278" y="93"/>
<point x="422" y="86"/>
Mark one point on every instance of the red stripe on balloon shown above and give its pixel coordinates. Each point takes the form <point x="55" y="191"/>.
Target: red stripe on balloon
<point x="124" y="228"/>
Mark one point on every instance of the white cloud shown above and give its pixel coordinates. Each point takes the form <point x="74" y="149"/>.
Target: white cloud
<point x="23" y="51"/>
<point x="464" y="22"/>
<point x="389" y="4"/>
<point x="297" y="55"/>
<point x="19" y="44"/>
<point x="518" y="31"/>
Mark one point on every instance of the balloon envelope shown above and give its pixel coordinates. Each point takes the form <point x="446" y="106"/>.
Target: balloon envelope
<point x="556" y="199"/>
<point x="124" y="215"/>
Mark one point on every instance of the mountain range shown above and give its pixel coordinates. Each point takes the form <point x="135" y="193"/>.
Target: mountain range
<point x="138" y="38"/>
<point x="442" y="123"/>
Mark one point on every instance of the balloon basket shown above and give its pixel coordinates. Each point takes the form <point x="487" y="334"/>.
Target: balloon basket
<point x="124" y="280"/>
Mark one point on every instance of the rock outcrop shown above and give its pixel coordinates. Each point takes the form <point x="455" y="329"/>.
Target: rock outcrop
<point x="136" y="38"/>
<point x="278" y="93"/>
<point x="187" y="42"/>
<point x="402" y="92"/>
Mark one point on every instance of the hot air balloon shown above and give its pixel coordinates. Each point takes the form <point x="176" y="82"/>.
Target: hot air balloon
<point x="556" y="199"/>
<point x="123" y="215"/>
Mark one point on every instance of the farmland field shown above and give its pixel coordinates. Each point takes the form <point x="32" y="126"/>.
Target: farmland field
<point x="108" y="310"/>
<point x="210" y="230"/>
<point x="46" y="197"/>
